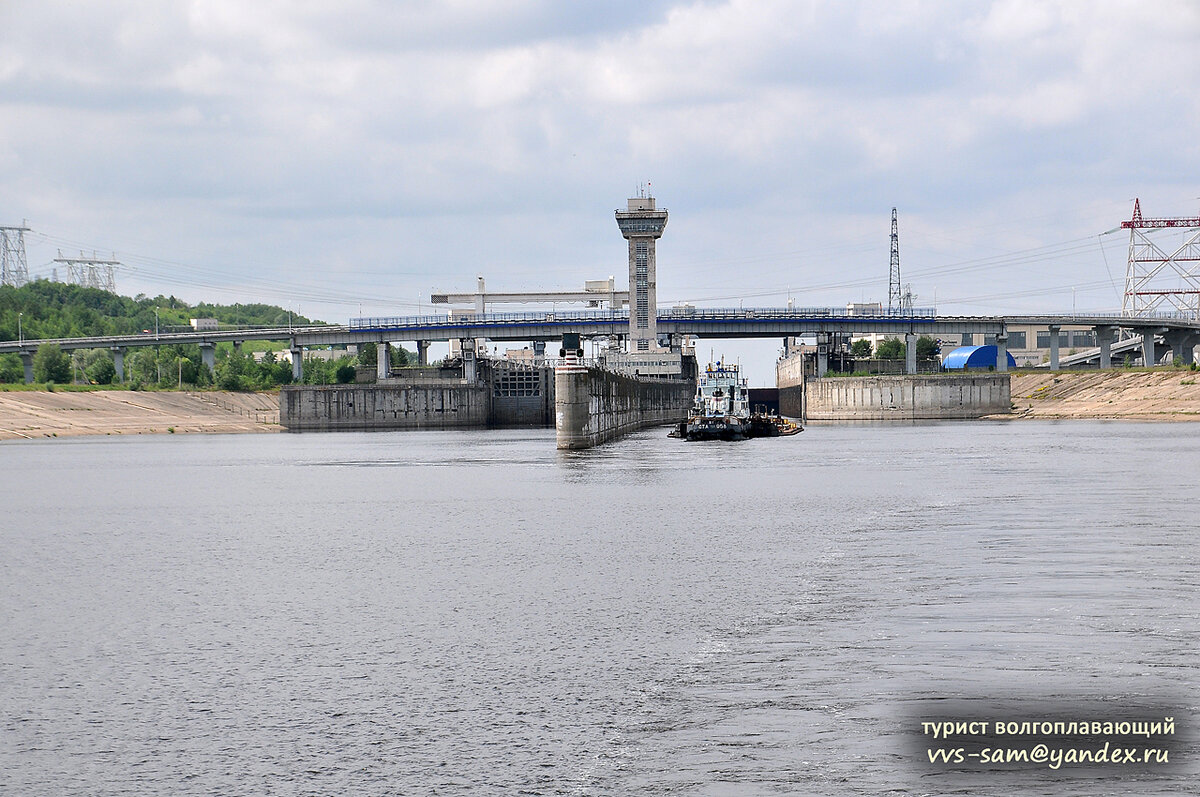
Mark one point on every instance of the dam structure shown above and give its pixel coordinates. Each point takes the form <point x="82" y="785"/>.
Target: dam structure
<point x="463" y="394"/>
<point x="594" y="404"/>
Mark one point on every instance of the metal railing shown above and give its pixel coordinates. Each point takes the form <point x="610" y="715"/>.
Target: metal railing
<point x="622" y="315"/>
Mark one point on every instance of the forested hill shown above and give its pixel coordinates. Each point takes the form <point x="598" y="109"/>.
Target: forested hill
<point x="56" y="310"/>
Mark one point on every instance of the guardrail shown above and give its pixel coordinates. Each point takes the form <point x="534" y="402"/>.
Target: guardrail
<point x="673" y="314"/>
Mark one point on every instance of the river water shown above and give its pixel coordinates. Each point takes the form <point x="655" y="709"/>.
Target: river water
<point x="476" y="613"/>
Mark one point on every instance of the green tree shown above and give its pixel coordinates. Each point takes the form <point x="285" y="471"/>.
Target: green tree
<point x="890" y="349"/>
<point x="861" y="348"/>
<point x="101" y="370"/>
<point x="927" y="348"/>
<point x="51" y="364"/>
<point x="345" y="374"/>
<point x="368" y="354"/>
<point x="11" y="369"/>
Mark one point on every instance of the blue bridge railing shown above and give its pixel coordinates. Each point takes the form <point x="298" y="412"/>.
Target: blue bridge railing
<point x="622" y="315"/>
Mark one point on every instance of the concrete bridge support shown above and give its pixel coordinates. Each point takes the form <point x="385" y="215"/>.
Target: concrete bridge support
<point x="208" y="356"/>
<point x="27" y="361"/>
<point x="1183" y="345"/>
<point x="1002" y="353"/>
<point x="297" y="364"/>
<point x="823" y="343"/>
<point x="1104" y="337"/>
<point x="1054" y="330"/>
<point x="118" y="355"/>
<point x="1148" y="354"/>
<point x="910" y="353"/>
<point x="422" y="352"/>
<point x="383" y="360"/>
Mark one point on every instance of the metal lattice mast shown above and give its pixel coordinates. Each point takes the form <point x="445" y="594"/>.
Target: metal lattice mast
<point x="1155" y="280"/>
<point x="90" y="272"/>
<point x="895" y="298"/>
<point x="14" y="270"/>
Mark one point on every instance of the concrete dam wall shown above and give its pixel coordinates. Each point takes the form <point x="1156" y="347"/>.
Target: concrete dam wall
<point x="593" y="405"/>
<point x="304" y="408"/>
<point x="910" y="397"/>
<point x="500" y="395"/>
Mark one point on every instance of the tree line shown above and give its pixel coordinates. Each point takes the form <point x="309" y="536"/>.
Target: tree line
<point x="45" y="309"/>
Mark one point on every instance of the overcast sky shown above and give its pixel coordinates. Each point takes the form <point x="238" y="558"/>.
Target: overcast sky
<point x="333" y="155"/>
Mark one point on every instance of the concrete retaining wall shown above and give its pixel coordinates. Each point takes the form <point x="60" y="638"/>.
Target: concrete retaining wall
<point x="789" y="376"/>
<point x="593" y="405"/>
<point x="879" y="398"/>
<point x="342" y="407"/>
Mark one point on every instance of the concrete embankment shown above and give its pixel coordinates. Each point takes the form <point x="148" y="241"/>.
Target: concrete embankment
<point x="1118" y="393"/>
<point x="594" y="405"/>
<point x="915" y="397"/>
<point x="27" y="414"/>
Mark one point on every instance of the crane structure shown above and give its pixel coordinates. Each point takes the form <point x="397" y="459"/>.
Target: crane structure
<point x="1156" y="281"/>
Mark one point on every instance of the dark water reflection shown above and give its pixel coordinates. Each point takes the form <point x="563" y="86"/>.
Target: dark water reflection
<point x="476" y="613"/>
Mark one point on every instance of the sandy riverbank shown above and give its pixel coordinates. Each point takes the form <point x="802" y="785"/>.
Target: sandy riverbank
<point x="1133" y="395"/>
<point x="40" y="414"/>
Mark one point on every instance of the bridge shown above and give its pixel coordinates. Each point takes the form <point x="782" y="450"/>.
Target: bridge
<point x="1180" y="331"/>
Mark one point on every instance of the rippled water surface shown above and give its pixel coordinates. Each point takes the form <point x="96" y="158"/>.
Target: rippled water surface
<point x="477" y="613"/>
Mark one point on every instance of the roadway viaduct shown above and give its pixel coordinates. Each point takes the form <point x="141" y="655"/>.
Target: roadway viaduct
<point x="1181" y="334"/>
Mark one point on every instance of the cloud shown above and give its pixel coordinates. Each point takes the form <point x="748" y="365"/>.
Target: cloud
<point x="403" y="145"/>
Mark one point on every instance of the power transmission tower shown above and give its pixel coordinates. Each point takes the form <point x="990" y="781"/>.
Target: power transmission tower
<point x="1155" y="279"/>
<point x="90" y="272"/>
<point x="14" y="270"/>
<point x="895" y="298"/>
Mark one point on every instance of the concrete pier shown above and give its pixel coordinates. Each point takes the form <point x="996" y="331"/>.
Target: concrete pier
<point x="208" y="356"/>
<point x="118" y="355"/>
<point x="1104" y="336"/>
<point x="593" y="406"/>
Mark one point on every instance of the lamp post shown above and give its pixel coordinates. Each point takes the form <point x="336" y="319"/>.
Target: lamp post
<point x="156" y="323"/>
<point x="20" y="332"/>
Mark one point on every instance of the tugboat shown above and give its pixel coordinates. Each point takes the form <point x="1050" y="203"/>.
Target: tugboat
<point x="721" y="410"/>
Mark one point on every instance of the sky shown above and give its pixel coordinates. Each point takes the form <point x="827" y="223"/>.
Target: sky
<point x="350" y="158"/>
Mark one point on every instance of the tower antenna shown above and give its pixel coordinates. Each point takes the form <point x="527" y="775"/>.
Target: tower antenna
<point x="895" y="297"/>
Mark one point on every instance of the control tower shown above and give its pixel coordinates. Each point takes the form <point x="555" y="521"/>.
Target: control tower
<point x="642" y="224"/>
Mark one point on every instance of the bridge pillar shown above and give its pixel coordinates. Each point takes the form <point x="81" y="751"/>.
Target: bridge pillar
<point x="822" y="359"/>
<point x="1183" y="344"/>
<point x="297" y="363"/>
<point x="467" y="347"/>
<point x="118" y="355"/>
<point x="383" y="360"/>
<point x="1148" y="358"/>
<point x="423" y="352"/>
<point x="910" y="353"/>
<point x="27" y="361"/>
<point x="1002" y="353"/>
<point x="1104" y="336"/>
<point x="1054" y="330"/>
<point x="237" y="347"/>
<point x="208" y="356"/>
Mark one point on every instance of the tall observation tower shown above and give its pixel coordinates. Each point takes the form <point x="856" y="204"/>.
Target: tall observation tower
<point x="642" y="224"/>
